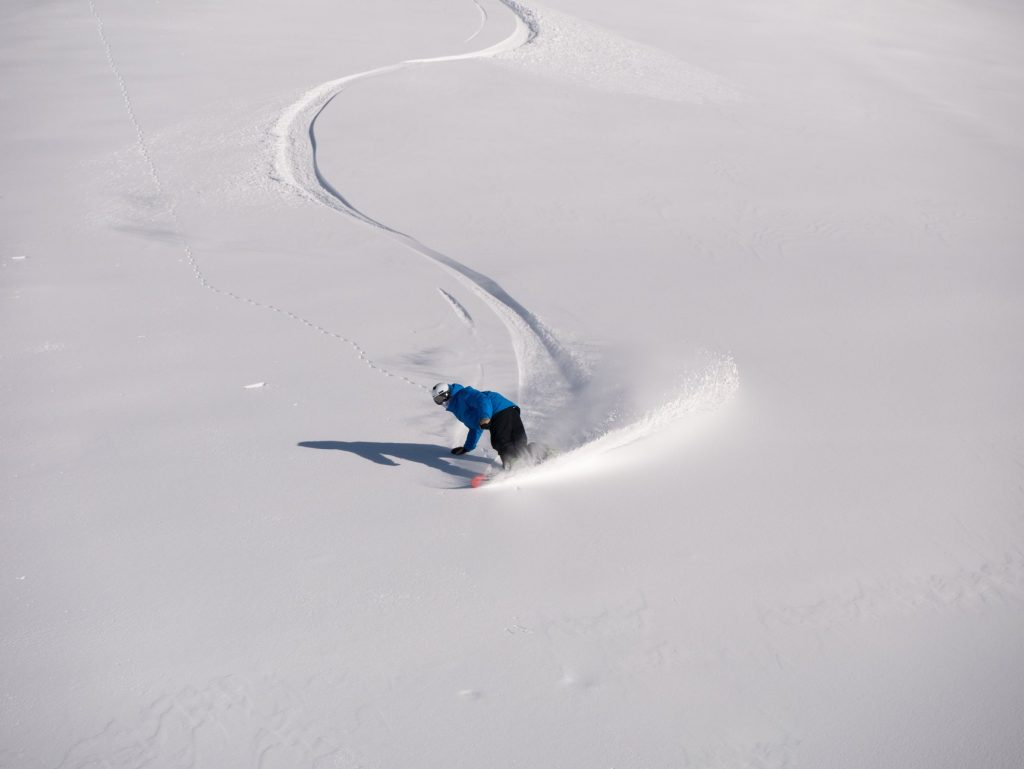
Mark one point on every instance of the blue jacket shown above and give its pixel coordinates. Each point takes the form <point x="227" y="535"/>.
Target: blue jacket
<point x="470" y="406"/>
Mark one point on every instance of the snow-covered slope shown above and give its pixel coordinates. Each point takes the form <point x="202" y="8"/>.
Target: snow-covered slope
<point x="754" y="268"/>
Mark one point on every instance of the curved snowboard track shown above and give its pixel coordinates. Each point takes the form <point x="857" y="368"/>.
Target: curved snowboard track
<point x="548" y="372"/>
<point x="549" y="375"/>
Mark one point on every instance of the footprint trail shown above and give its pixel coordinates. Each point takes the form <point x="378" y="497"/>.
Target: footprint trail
<point x="142" y="143"/>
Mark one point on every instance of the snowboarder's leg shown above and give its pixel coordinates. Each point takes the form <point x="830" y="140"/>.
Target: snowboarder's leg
<point x="519" y="442"/>
<point x="508" y="437"/>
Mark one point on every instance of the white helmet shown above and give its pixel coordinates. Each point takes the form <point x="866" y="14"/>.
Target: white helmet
<point x="441" y="393"/>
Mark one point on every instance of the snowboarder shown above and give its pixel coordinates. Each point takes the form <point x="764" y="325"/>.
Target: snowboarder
<point x="481" y="411"/>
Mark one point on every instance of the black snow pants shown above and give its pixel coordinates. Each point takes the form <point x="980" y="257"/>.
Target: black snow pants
<point x="508" y="436"/>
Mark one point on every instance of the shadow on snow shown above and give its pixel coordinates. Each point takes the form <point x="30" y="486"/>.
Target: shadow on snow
<point x="431" y="455"/>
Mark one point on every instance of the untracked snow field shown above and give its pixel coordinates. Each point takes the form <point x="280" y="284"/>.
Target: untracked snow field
<point x="756" y="270"/>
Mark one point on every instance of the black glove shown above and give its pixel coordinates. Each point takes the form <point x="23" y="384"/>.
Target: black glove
<point x="459" y="451"/>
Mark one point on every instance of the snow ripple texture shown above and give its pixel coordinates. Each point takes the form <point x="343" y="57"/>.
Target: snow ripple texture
<point x="584" y="54"/>
<point x="228" y="722"/>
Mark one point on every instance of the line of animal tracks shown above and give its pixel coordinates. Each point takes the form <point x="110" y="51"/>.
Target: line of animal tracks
<point x="142" y="143"/>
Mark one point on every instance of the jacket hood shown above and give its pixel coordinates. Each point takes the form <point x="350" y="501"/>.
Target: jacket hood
<point x="453" y="390"/>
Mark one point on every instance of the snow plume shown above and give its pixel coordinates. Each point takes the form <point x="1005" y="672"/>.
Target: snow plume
<point x="613" y="410"/>
<point x="700" y="392"/>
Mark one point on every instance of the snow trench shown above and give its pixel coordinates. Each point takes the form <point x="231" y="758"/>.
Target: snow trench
<point x="459" y="309"/>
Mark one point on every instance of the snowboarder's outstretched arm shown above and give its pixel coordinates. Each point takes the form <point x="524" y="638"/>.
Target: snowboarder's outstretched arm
<point x="476" y="408"/>
<point x="472" y="438"/>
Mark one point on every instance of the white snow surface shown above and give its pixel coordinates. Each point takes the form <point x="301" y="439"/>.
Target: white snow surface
<point x="754" y="269"/>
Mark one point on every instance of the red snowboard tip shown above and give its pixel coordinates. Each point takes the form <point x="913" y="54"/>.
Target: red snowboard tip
<point x="478" y="481"/>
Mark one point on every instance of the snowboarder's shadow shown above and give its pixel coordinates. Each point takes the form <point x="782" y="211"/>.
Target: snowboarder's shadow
<point x="427" y="454"/>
